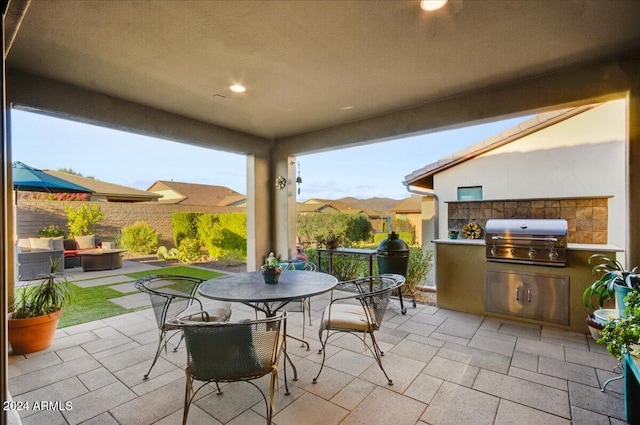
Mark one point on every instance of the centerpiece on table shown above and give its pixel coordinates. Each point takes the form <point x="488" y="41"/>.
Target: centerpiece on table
<point x="271" y="269"/>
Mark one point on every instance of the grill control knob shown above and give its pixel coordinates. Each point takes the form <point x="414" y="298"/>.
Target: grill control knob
<point x="532" y="254"/>
<point x="493" y="251"/>
<point x="512" y="251"/>
<point x="553" y="254"/>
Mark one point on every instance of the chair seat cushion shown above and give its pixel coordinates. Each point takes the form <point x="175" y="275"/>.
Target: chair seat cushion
<point x="345" y="316"/>
<point x="218" y="312"/>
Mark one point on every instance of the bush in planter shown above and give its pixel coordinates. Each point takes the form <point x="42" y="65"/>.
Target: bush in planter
<point x="83" y="219"/>
<point x="612" y="275"/>
<point x="623" y="335"/>
<point x="140" y="238"/>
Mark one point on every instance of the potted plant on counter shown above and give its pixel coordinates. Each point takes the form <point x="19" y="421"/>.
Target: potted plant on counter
<point x="614" y="281"/>
<point x="36" y="310"/>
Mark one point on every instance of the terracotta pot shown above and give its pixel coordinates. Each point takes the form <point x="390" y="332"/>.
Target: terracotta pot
<point x="32" y="334"/>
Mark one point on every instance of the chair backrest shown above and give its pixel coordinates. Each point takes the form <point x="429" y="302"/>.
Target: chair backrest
<point x="169" y="294"/>
<point x="374" y="294"/>
<point x="233" y="351"/>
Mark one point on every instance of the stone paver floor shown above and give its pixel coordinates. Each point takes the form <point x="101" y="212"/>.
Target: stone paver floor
<point x="447" y="367"/>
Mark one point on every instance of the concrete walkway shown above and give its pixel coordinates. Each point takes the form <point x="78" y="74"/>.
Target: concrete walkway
<point x="447" y="368"/>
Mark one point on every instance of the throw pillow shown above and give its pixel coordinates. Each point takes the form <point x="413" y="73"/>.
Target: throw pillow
<point x="24" y="245"/>
<point x="58" y="243"/>
<point x="41" y="244"/>
<point x="223" y="352"/>
<point x="86" y="242"/>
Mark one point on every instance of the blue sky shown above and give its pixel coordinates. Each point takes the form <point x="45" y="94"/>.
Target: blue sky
<point x="137" y="161"/>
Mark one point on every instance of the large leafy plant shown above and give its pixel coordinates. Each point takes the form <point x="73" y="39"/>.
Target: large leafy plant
<point x="43" y="296"/>
<point x="623" y="335"/>
<point x="611" y="273"/>
<point x="82" y="220"/>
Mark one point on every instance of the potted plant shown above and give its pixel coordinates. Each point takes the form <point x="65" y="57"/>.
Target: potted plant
<point x="36" y="310"/>
<point x="614" y="280"/>
<point x="622" y="335"/>
<point x="271" y="269"/>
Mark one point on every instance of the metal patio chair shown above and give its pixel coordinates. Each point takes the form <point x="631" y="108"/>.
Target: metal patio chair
<point x="175" y="297"/>
<point x="231" y="352"/>
<point x="360" y="313"/>
<point x="304" y="303"/>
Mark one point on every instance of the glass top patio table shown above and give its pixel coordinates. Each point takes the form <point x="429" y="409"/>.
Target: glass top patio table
<point x="249" y="289"/>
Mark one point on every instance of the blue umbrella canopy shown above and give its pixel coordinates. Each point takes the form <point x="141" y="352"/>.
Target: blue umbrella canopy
<point x="31" y="179"/>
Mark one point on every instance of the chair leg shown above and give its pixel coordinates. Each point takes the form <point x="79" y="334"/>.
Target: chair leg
<point x="175" y="350"/>
<point x="188" y="391"/>
<point x="377" y="354"/>
<point x="323" y="342"/>
<point x="161" y="343"/>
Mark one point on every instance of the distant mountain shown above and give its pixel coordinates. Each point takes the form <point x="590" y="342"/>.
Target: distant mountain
<point x="381" y="204"/>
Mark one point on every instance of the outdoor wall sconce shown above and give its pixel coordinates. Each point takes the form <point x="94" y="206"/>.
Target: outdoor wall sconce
<point x="281" y="182"/>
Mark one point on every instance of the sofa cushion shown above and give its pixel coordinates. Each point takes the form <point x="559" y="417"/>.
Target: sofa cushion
<point x="24" y="245"/>
<point x="58" y="243"/>
<point x="85" y="242"/>
<point x="41" y="244"/>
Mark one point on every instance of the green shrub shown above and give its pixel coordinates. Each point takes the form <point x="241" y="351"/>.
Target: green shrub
<point x="420" y="264"/>
<point x="83" y="219"/>
<point x="224" y="235"/>
<point x="185" y="225"/>
<point x="51" y="231"/>
<point x="189" y="250"/>
<point x="167" y="254"/>
<point x="140" y="238"/>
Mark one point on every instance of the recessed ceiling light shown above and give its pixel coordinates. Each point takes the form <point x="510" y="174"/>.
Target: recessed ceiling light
<point x="431" y="5"/>
<point x="238" y="88"/>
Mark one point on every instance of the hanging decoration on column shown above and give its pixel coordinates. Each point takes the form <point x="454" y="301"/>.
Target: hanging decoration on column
<point x="299" y="179"/>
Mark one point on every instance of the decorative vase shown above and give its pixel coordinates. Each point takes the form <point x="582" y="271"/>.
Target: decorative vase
<point x="270" y="276"/>
<point x="453" y="234"/>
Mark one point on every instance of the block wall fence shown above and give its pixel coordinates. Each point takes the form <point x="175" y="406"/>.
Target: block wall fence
<point x="32" y="216"/>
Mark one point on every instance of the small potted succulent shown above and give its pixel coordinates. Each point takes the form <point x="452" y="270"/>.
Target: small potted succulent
<point x="271" y="269"/>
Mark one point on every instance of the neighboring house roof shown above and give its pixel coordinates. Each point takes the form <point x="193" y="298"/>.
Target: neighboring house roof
<point x="338" y="205"/>
<point x="408" y="205"/>
<point x="424" y="176"/>
<point x="107" y="191"/>
<point x="316" y="208"/>
<point x="196" y="194"/>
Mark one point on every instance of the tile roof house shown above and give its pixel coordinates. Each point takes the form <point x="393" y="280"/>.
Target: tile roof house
<point x="196" y="194"/>
<point x="410" y="209"/>
<point x="108" y="192"/>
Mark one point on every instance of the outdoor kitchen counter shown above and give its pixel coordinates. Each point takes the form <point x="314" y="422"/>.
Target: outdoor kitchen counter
<point x="461" y="266"/>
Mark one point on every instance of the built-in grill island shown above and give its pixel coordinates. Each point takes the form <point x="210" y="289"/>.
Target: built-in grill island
<point x="527" y="241"/>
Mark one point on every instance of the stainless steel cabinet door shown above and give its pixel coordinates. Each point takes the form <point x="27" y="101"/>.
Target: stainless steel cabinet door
<point x="503" y="292"/>
<point x="546" y="298"/>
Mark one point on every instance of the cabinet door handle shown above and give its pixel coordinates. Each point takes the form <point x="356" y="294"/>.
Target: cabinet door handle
<point x="529" y="294"/>
<point x="517" y="294"/>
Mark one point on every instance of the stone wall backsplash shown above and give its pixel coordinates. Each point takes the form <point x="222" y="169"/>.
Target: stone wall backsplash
<point x="587" y="218"/>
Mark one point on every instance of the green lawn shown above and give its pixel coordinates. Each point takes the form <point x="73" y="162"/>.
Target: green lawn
<point x="93" y="303"/>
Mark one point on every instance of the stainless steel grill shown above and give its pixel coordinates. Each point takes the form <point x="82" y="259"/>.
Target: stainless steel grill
<point x="527" y="241"/>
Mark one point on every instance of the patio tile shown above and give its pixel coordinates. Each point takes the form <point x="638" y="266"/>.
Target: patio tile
<point x="459" y="315"/>
<point x="353" y="393"/>
<point x="460" y="328"/>
<point x="49" y="417"/>
<point x="72" y="340"/>
<point x="449" y="370"/>
<point x="414" y="350"/>
<point x="386" y="407"/>
<point x="248" y="417"/>
<point x="102" y="344"/>
<point x="539" y="378"/>
<point x="97" y="378"/>
<point x="586" y="358"/>
<point x="491" y="343"/>
<point x="311" y="410"/>
<point x="576" y="340"/>
<point x="150" y="407"/>
<point x="349" y="362"/>
<point x="401" y="370"/>
<point x="132" y="301"/>
<point x="110" y="280"/>
<point x="591" y="398"/>
<point x="39" y="378"/>
<point x="157" y="380"/>
<point x="125" y="288"/>
<point x="61" y="391"/>
<point x="525" y="361"/>
<point x="569" y="371"/>
<point x="425" y="340"/>
<point x="84" y="327"/>
<point x="450" y="338"/>
<point x="616" y="385"/>
<point x="423" y="388"/>
<point x="530" y="394"/>
<point x="540" y="348"/>
<point x="112" y="351"/>
<point x="419" y="328"/>
<point x="97" y="402"/>
<point x="476" y="357"/>
<point x="586" y="417"/>
<point x="236" y="397"/>
<point x="67" y="354"/>
<point x="516" y="414"/>
<point x="31" y="364"/>
<point x="447" y="407"/>
<point x="128" y="358"/>
<point x="521" y="330"/>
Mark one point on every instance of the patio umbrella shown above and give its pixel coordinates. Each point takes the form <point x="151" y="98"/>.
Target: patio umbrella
<point x="31" y="179"/>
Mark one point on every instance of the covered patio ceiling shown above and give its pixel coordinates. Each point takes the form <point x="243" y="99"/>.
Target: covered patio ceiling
<point x="318" y="74"/>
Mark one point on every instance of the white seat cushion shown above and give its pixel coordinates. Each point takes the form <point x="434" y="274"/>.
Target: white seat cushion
<point x="345" y="316"/>
<point x="218" y="312"/>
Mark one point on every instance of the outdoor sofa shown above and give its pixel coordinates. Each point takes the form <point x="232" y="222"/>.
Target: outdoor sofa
<point x="34" y="254"/>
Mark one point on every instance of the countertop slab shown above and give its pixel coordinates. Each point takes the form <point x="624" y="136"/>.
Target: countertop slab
<point x="571" y="246"/>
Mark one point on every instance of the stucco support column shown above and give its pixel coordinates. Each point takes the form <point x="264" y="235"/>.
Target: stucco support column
<point x="259" y="198"/>
<point x="633" y="165"/>
<point x="284" y="212"/>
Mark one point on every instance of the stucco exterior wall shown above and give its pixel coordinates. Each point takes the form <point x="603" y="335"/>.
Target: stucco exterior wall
<point x="583" y="156"/>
